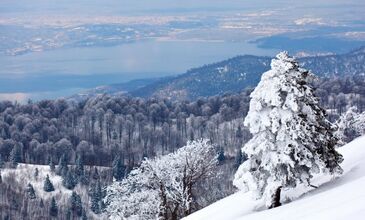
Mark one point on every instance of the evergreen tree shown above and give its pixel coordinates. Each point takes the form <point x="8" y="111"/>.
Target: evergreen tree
<point x="69" y="180"/>
<point x="80" y="171"/>
<point x="52" y="166"/>
<point x="221" y="157"/>
<point x="62" y="167"/>
<point x="53" y="209"/>
<point x="2" y="162"/>
<point x="118" y="169"/>
<point x="292" y="139"/>
<point x="76" y="204"/>
<point x="30" y="191"/>
<point x="48" y="186"/>
<point x="96" y="198"/>
<point x="41" y="203"/>
<point x="96" y="174"/>
<point x="15" y="156"/>
<point x="36" y="173"/>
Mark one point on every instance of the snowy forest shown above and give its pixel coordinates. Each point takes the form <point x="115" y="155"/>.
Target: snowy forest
<point x="86" y="154"/>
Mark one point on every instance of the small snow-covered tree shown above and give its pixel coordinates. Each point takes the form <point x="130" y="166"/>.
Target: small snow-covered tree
<point x="350" y="125"/>
<point x="162" y="188"/>
<point x="75" y="204"/>
<point x="118" y="168"/>
<point x="30" y="191"/>
<point x="2" y="162"/>
<point x="53" y="208"/>
<point x="96" y="202"/>
<point x="292" y="139"/>
<point x="48" y="186"/>
<point x="69" y="180"/>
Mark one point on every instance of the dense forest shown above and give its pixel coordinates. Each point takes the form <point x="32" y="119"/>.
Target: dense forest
<point x="126" y="129"/>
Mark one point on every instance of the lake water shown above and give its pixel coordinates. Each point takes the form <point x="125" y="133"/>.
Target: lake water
<point x="60" y="72"/>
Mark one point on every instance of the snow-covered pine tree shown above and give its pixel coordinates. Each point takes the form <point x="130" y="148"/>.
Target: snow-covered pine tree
<point x="62" y="167"/>
<point x="53" y="209"/>
<point x="2" y="162"/>
<point x="118" y="168"/>
<point x="48" y="186"/>
<point x="69" y="180"/>
<point x="292" y="139"/>
<point x="30" y="191"/>
<point x="15" y="156"/>
<point x="350" y="125"/>
<point x="96" y="203"/>
<point x="75" y="204"/>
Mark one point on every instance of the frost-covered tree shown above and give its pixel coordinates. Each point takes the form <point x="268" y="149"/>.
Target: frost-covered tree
<point x="53" y="209"/>
<point x="162" y="188"/>
<point x="48" y="186"/>
<point x="62" y="167"/>
<point x="75" y="204"/>
<point x="118" y="168"/>
<point x="15" y="156"/>
<point x="96" y="204"/>
<point x="2" y="162"/>
<point x="292" y="139"/>
<point x="52" y="165"/>
<point x="350" y="125"/>
<point x="30" y="191"/>
<point x="69" y="180"/>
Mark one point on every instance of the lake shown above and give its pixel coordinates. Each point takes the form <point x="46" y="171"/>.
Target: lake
<point x="62" y="72"/>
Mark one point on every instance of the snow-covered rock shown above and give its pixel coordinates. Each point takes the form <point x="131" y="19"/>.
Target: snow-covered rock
<point x="342" y="198"/>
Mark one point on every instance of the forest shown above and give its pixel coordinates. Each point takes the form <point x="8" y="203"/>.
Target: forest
<point x="110" y="135"/>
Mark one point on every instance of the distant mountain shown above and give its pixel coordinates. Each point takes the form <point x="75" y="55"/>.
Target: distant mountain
<point x="232" y="75"/>
<point x="115" y="89"/>
<point x="240" y="72"/>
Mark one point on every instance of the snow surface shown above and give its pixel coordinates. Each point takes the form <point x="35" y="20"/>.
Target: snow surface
<point x="342" y="198"/>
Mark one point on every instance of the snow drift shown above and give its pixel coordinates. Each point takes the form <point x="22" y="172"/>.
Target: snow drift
<point x="342" y="198"/>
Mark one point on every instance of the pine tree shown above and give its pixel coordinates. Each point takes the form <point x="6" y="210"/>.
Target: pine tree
<point x="30" y="191"/>
<point x="53" y="209"/>
<point x="96" y="198"/>
<point x="62" y="167"/>
<point x="292" y="139"/>
<point x="76" y="204"/>
<point x="52" y="166"/>
<point x="221" y="157"/>
<point x="80" y="171"/>
<point x="48" y="186"/>
<point x="69" y="180"/>
<point x="15" y="156"/>
<point x="36" y="173"/>
<point x="2" y="162"/>
<point x="118" y="169"/>
<point x="96" y="174"/>
<point x="41" y="203"/>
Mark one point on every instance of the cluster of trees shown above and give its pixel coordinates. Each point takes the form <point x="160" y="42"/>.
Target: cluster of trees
<point x="165" y="187"/>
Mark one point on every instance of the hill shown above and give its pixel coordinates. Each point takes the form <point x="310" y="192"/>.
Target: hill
<point x="342" y="198"/>
<point x="238" y="73"/>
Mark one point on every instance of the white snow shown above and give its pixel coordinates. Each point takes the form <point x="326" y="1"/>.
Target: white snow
<point x="342" y="198"/>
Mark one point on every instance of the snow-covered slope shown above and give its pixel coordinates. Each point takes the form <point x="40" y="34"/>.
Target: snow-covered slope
<point x="342" y="198"/>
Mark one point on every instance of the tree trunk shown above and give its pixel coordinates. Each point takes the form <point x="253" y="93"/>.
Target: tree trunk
<point x="275" y="198"/>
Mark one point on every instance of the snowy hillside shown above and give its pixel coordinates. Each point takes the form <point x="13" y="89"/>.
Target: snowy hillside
<point x="343" y="198"/>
